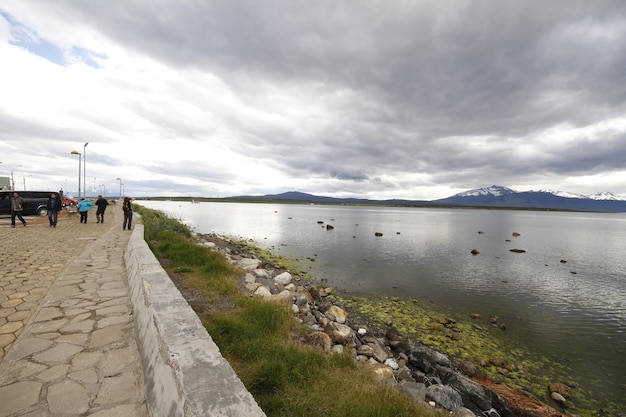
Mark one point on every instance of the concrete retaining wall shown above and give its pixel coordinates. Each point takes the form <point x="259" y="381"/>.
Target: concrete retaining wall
<point x="184" y="371"/>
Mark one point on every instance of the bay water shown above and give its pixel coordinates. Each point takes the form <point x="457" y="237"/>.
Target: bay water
<point x="563" y="298"/>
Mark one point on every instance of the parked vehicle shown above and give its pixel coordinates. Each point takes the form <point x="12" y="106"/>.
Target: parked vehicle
<point x="68" y="201"/>
<point x="35" y="202"/>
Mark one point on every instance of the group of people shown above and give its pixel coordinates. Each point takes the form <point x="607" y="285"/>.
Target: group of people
<point x="55" y="204"/>
<point x="85" y="205"/>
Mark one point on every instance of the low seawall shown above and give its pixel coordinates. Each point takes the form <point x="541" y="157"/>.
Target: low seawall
<point x="184" y="371"/>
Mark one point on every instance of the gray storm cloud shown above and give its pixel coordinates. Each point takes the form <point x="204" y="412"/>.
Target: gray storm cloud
<point x="356" y="92"/>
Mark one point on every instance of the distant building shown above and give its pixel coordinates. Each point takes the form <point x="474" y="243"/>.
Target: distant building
<point x="5" y="183"/>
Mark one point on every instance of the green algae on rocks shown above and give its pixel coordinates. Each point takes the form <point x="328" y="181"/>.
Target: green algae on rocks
<point x="461" y="339"/>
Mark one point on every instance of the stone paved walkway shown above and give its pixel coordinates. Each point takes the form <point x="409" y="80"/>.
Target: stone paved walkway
<point x="67" y="339"/>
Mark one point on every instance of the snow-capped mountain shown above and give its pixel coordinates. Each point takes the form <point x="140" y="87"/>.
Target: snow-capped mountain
<point x="606" y="195"/>
<point x="498" y="196"/>
<point x="494" y="190"/>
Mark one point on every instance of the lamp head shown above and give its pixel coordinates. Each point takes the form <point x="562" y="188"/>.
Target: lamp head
<point x="75" y="152"/>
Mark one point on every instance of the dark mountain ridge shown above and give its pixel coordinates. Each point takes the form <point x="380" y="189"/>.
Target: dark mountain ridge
<point x="490" y="197"/>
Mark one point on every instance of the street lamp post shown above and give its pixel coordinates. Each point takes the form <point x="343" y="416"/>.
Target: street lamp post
<point x="104" y="190"/>
<point x="120" y="180"/>
<point x="85" y="168"/>
<point x="13" y="179"/>
<point x="79" y="162"/>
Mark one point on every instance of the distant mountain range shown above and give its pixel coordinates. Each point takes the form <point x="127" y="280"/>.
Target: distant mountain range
<point x="494" y="196"/>
<point x="498" y="196"/>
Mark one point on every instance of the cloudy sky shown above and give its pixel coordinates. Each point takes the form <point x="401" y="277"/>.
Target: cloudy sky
<point x="378" y="99"/>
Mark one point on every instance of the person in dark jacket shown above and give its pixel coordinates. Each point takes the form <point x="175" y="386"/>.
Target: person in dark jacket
<point x="17" y="208"/>
<point x="54" y="206"/>
<point x="102" y="204"/>
<point x="127" y="207"/>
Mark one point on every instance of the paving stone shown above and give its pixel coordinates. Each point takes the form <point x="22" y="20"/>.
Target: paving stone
<point x="114" y="302"/>
<point x="11" y="303"/>
<point x="103" y="337"/>
<point x="117" y="389"/>
<point x="68" y="397"/>
<point x="84" y="326"/>
<point x="6" y="339"/>
<point x="113" y="293"/>
<point x="110" y="321"/>
<point x="18" y="295"/>
<point x="119" y="411"/>
<point x="89" y="285"/>
<point x="34" y="296"/>
<point x="19" y="396"/>
<point x="64" y="292"/>
<point x="79" y="339"/>
<point x="30" y="305"/>
<point x="53" y="373"/>
<point x="114" y="310"/>
<point x="19" y="316"/>
<point x="10" y="327"/>
<point x="48" y="313"/>
<point x="115" y="361"/>
<point x="58" y="354"/>
<point x="86" y="359"/>
<point x="80" y="317"/>
<point x="11" y="373"/>
<point x="86" y="376"/>
<point x="29" y="369"/>
<point x="48" y="326"/>
<point x="114" y="286"/>
<point x="69" y="303"/>
<point x="34" y="345"/>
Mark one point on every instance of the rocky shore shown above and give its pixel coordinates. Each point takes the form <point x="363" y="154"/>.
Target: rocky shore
<point x="421" y="372"/>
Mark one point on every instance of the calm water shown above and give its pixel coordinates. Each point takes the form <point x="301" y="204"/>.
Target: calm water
<point x="573" y="312"/>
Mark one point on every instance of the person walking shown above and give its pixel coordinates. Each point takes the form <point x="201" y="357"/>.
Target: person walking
<point x="127" y="207"/>
<point x="54" y="206"/>
<point x="83" y="208"/>
<point x="17" y="208"/>
<point x="102" y="204"/>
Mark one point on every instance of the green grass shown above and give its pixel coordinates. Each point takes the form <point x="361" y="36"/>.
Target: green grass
<point x="262" y="341"/>
<point x="291" y="380"/>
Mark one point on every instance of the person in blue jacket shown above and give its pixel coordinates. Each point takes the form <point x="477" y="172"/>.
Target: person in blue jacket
<point x="83" y="208"/>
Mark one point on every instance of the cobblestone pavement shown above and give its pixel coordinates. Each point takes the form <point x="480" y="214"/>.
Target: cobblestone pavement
<point x="67" y="340"/>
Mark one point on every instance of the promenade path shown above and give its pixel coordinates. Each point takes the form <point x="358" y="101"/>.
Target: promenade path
<point x="67" y="341"/>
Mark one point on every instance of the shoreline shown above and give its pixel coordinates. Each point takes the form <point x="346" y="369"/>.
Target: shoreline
<point x="520" y="399"/>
